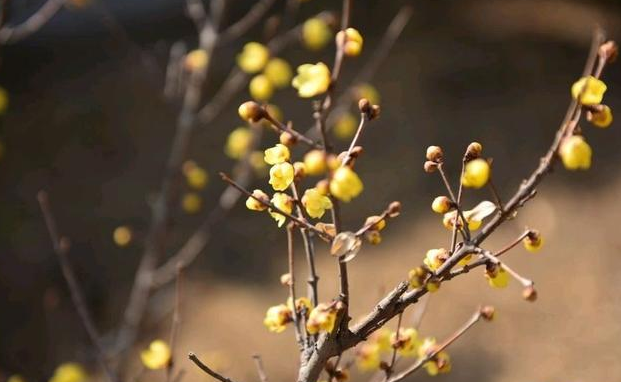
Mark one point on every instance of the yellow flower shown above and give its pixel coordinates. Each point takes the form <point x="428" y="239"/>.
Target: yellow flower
<point x="601" y="117"/>
<point x="4" y="100"/>
<point x="284" y="203"/>
<point x="435" y="258"/>
<point x="301" y="304"/>
<point x="195" y="176"/>
<point x="441" y="205"/>
<point x="196" y="59"/>
<point x="277" y="154"/>
<point x="312" y="79"/>
<point x="191" y="202"/>
<point x="277" y="317"/>
<point x="533" y="243"/>
<point x="238" y="143"/>
<point x="345" y="184"/>
<point x="69" y="372"/>
<point x="315" y="203"/>
<point x="440" y="363"/>
<point x="367" y="91"/>
<point x="433" y="285"/>
<point x="255" y="205"/>
<point x="498" y="278"/>
<point x="407" y="342"/>
<point x="315" y="162"/>
<point x="377" y="223"/>
<point x="321" y="318"/>
<point x="351" y="41"/>
<point x="156" y="356"/>
<point x="316" y="33"/>
<point x="260" y="88"/>
<point x="253" y="57"/>
<point x="345" y="126"/>
<point x="368" y="356"/>
<point x="257" y="163"/>
<point x="382" y="338"/>
<point x="588" y="90"/>
<point x="279" y="72"/>
<point x="476" y="173"/>
<point x="416" y="277"/>
<point x="575" y="153"/>
<point x="122" y="236"/>
<point x="281" y="176"/>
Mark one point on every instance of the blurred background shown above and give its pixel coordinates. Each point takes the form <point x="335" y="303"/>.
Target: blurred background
<point x="87" y="121"/>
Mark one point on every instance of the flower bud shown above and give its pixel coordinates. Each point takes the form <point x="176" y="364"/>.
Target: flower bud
<point x="441" y="205"/>
<point x="394" y="209"/>
<point x="375" y="223"/>
<point x="533" y="241"/>
<point x="476" y="173"/>
<point x="364" y="106"/>
<point x="433" y="285"/>
<point x="600" y="116"/>
<point x="287" y="139"/>
<point x="434" y="154"/>
<point x="608" y="51"/>
<point x="529" y="294"/>
<point x="473" y="151"/>
<point x="373" y="237"/>
<point x="299" y="170"/>
<point x="575" y="153"/>
<point x="285" y="279"/>
<point x="375" y="112"/>
<point x="430" y="166"/>
<point x="323" y="187"/>
<point x="315" y="161"/>
<point x="416" y="277"/>
<point x="251" y="111"/>
<point x="488" y="312"/>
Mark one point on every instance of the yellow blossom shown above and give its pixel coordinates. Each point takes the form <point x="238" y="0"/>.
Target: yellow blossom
<point x="533" y="243"/>
<point x="476" y="173"/>
<point x="253" y="57"/>
<point x="196" y="59"/>
<point x="416" y="277"/>
<point x="260" y="88"/>
<point x="257" y="163"/>
<point x="250" y="111"/>
<point x="195" y="176"/>
<point x="602" y="117"/>
<point x="345" y="126"/>
<point x="575" y="153"/>
<point x="238" y="143"/>
<point x="433" y="285"/>
<point x="440" y="363"/>
<point x="284" y="203"/>
<point x="315" y="203"/>
<point x="315" y="162"/>
<point x="441" y="205"/>
<point x="373" y="237"/>
<point x="69" y="372"/>
<point x="345" y="184"/>
<point x="277" y="154"/>
<point x="321" y="318"/>
<point x="588" y="90"/>
<point x="279" y="72"/>
<point x="156" y="356"/>
<point x="498" y="278"/>
<point x="191" y="202"/>
<point x="382" y="338"/>
<point x="301" y="304"/>
<point x="435" y="258"/>
<point x="254" y="204"/>
<point x="351" y="41"/>
<point x="406" y="342"/>
<point x="367" y="91"/>
<point x="312" y="80"/>
<point x="368" y="356"/>
<point x="377" y="223"/>
<point x="277" y="317"/>
<point x="281" y="176"/>
<point x="122" y="236"/>
<point x="316" y="33"/>
<point x="4" y="100"/>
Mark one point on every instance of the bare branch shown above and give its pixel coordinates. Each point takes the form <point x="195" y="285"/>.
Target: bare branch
<point x="260" y="369"/>
<point x="207" y="369"/>
<point x="13" y="34"/>
<point x="251" y="18"/>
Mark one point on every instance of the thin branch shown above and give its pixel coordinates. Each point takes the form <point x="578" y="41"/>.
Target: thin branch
<point x="364" y="118"/>
<point x="290" y="257"/>
<point x="389" y="370"/>
<point x="260" y="369"/>
<point x="251" y="18"/>
<point x="523" y="280"/>
<point x="207" y="369"/>
<point x="176" y="320"/>
<point x="61" y="247"/>
<point x="12" y="34"/>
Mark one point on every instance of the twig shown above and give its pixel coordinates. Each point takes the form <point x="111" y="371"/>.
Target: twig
<point x="176" y="320"/>
<point x="242" y="25"/>
<point x="393" y="359"/>
<point x="61" y="247"/>
<point x="364" y="118"/>
<point x="291" y="282"/>
<point x="469" y="324"/>
<point x="460" y="215"/>
<point x="208" y="370"/>
<point x="523" y="280"/>
<point x="260" y="369"/>
<point x="13" y="34"/>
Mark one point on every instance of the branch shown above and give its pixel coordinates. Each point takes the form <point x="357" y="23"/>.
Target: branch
<point x="13" y="34"/>
<point x="61" y="247"/>
<point x="253" y="16"/>
<point x="207" y="370"/>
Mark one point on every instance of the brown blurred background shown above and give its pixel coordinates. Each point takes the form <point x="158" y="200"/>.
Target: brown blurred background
<point x="88" y="122"/>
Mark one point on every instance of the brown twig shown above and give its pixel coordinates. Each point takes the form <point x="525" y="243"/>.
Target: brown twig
<point x="12" y="34"/>
<point x="176" y="320"/>
<point x="61" y="247"/>
<point x="251" y="18"/>
<point x="207" y="369"/>
<point x="291" y="282"/>
<point x="364" y="118"/>
<point x="260" y="369"/>
<point x="389" y="370"/>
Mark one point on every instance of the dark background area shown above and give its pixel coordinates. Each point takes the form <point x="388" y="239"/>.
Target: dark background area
<point x="87" y="121"/>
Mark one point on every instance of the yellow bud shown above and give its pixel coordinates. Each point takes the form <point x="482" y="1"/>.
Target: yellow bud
<point x="368" y="356"/>
<point x="238" y="143"/>
<point x="254" y="204"/>
<point x="373" y="237"/>
<point x="122" y="236"/>
<point x="196" y="59"/>
<point x="441" y="205"/>
<point x="315" y="162"/>
<point x="575" y="153"/>
<point x="260" y="88"/>
<point x="351" y="41"/>
<point x="156" y="356"/>
<point x="433" y="285"/>
<point x="251" y="111"/>
<point x="321" y="318"/>
<point x="196" y="177"/>
<point x="345" y="184"/>
<point x="498" y="278"/>
<point x="377" y="223"/>
<point x="533" y="241"/>
<point x="367" y="91"/>
<point x="434" y="154"/>
<point x="345" y="126"/>
<point x="312" y="80"/>
<point x="316" y="33"/>
<point x="476" y="173"/>
<point x="601" y="116"/>
<point x="69" y="372"/>
<point x="435" y="258"/>
<point x="588" y="90"/>
<point x="191" y="203"/>
<point x="416" y="276"/>
<point x="253" y="57"/>
<point x="277" y="317"/>
<point x="279" y="72"/>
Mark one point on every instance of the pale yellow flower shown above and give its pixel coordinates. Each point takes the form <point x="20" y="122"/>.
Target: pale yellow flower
<point x="277" y="154"/>
<point x="575" y="153"/>
<point x="312" y="80"/>
<point x="345" y="184"/>
<point x="321" y="318"/>
<point x="253" y="57"/>
<point x="277" y="317"/>
<point x="279" y="72"/>
<point x="283" y="202"/>
<point x="238" y="143"/>
<point x="156" y="356"/>
<point x="588" y="90"/>
<point x="351" y="40"/>
<point x="254" y="204"/>
<point x="315" y="203"/>
<point x="261" y="88"/>
<point x="316" y="33"/>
